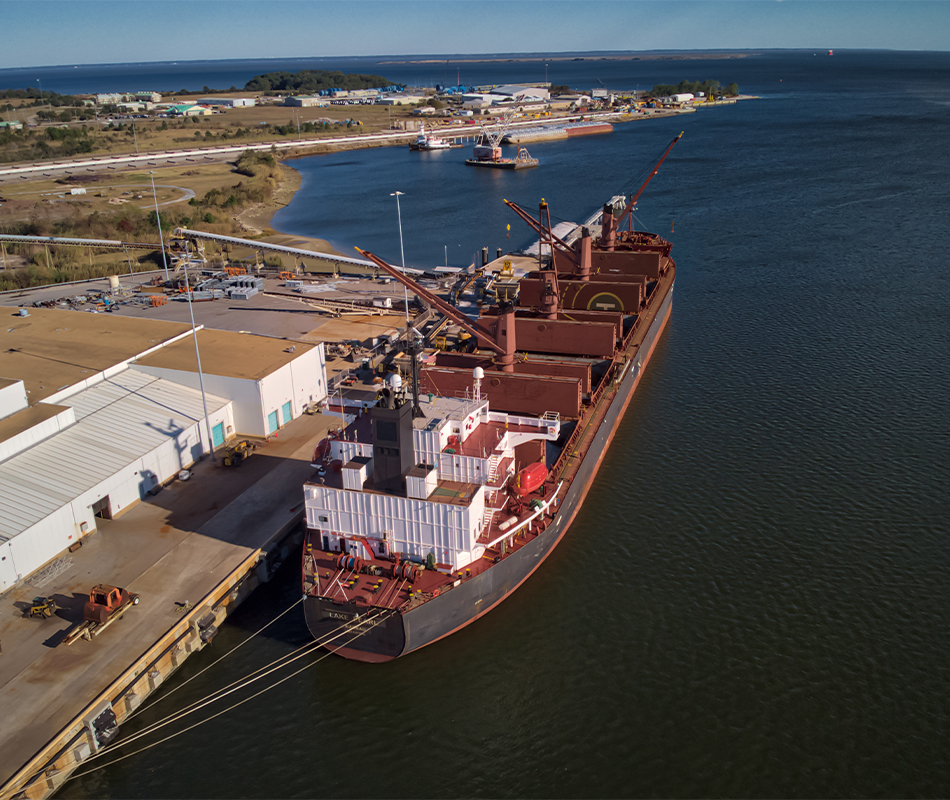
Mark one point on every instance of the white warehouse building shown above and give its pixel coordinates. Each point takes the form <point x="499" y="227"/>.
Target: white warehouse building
<point x="97" y="411"/>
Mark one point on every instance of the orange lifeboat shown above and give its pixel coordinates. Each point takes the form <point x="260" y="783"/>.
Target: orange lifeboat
<point x="530" y="478"/>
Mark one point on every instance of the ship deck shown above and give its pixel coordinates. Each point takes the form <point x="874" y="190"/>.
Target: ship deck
<point x="390" y="589"/>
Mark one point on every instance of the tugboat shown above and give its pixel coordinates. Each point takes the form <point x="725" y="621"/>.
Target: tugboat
<point x="427" y="141"/>
<point x="427" y="511"/>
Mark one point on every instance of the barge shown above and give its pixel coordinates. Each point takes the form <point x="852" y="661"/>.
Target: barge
<point x="494" y="159"/>
<point x="430" y="509"/>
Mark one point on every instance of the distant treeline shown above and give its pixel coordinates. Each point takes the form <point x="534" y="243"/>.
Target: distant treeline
<point x="312" y="81"/>
<point x="694" y="87"/>
<point x="40" y="98"/>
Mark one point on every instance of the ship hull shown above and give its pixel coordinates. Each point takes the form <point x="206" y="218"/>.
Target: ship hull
<point x="401" y="633"/>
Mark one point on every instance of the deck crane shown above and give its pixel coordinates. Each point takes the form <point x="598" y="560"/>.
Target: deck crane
<point x="612" y="223"/>
<point x="579" y="256"/>
<point x="488" y="146"/>
<point x="497" y="335"/>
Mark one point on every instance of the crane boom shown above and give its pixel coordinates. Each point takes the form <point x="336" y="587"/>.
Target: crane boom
<point x="633" y="200"/>
<point x="539" y="228"/>
<point x="484" y="336"/>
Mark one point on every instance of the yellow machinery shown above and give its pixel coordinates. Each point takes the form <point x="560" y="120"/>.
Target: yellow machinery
<point x="238" y="452"/>
<point x="42" y="607"/>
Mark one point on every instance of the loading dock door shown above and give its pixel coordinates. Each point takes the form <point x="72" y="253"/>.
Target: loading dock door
<point x="272" y="422"/>
<point x="286" y="412"/>
<point x="217" y="435"/>
<point x="102" y="509"/>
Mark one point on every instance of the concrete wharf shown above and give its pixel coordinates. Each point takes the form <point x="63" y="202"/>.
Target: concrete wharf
<point x="192" y="552"/>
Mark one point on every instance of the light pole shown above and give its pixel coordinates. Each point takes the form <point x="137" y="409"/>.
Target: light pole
<point x="201" y="382"/>
<point x="402" y="252"/>
<point x="158" y="222"/>
<point x="40" y="83"/>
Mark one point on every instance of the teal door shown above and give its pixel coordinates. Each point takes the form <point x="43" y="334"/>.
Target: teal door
<point x="217" y="435"/>
<point x="286" y="413"/>
<point x="272" y="422"/>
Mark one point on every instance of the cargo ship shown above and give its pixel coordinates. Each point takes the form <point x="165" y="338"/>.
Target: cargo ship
<point x="429" y="509"/>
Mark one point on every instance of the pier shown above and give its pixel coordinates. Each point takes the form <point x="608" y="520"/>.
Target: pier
<point x="192" y="552"/>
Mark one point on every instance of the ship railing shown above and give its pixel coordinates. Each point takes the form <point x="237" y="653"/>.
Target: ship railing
<point x="527" y="521"/>
<point x="549" y="420"/>
<point x="578" y="431"/>
<point x="613" y="371"/>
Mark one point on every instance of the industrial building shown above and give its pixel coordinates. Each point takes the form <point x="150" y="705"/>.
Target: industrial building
<point x="228" y="102"/>
<point x="188" y="110"/>
<point x="517" y="92"/>
<point x="400" y="100"/>
<point x="97" y="411"/>
<point x="119" y="97"/>
<point x="307" y="101"/>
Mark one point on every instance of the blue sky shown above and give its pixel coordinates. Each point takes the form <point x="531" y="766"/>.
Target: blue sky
<point x="47" y="32"/>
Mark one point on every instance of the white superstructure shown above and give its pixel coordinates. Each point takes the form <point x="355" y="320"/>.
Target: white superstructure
<point x="463" y="457"/>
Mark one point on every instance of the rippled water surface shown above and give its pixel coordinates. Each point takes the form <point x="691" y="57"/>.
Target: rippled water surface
<point x="754" y="601"/>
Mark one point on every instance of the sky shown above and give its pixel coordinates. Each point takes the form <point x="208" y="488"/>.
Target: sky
<point x="55" y="32"/>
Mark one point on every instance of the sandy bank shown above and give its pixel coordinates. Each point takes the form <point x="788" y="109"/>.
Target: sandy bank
<point x="257" y="220"/>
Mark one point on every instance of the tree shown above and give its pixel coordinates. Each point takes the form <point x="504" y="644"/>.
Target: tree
<point x="313" y="81"/>
<point x="732" y="90"/>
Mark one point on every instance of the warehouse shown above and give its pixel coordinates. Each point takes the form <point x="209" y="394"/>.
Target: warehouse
<point x="98" y="411"/>
<point x="228" y="102"/>
<point x="307" y="101"/>
<point x="270" y="380"/>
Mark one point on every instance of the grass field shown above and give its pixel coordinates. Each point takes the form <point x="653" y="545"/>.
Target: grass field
<point x="256" y="124"/>
<point x="119" y="206"/>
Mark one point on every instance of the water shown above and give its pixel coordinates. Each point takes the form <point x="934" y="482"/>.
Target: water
<point x="754" y="601"/>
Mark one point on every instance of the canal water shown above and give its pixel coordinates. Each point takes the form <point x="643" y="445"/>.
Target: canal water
<point x="755" y="599"/>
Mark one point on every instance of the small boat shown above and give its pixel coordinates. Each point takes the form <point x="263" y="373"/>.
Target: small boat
<point x="426" y="141"/>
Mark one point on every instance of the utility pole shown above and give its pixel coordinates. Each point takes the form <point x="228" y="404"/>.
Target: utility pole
<point x="158" y="222"/>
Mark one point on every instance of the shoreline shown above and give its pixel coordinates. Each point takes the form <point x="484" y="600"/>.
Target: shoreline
<point x="258" y="220"/>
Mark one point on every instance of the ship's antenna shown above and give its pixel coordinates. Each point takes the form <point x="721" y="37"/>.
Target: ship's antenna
<point x="478" y="373"/>
<point x="414" y="350"/>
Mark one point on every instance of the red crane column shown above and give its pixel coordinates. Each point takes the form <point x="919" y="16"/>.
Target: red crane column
<point x="583" y="246"/>
<point x="550" y="295"/>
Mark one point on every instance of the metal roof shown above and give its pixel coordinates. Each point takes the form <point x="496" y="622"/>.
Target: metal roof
<point x="118" y="421"/>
